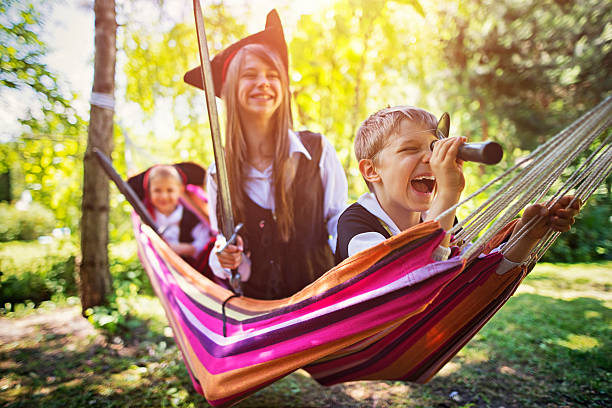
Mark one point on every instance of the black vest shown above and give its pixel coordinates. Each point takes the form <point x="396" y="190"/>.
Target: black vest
<point x="356" y="220"/>
<point x="186" y="225"/>
<point x="280" y="269"/>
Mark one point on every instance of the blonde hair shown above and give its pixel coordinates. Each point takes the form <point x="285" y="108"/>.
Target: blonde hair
<point x="375" y="132"/>
<point x="164" y="171"/>
<point x="236" y="147"/>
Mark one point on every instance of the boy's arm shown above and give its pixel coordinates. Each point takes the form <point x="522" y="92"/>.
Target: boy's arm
<point x="440" y="205"/>
<point x="558" y="218"/>
<point x="201" y="236"/>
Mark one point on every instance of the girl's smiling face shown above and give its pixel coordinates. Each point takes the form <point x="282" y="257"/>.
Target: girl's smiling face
<point x="165" y="193"/>
<point x="406" y="181"/>
<point x="259" y="88"/>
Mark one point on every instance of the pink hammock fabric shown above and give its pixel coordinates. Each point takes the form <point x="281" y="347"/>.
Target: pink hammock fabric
<point x="390" y="312"/>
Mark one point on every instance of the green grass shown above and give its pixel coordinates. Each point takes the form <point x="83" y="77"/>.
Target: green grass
<point x="549" y="346"/>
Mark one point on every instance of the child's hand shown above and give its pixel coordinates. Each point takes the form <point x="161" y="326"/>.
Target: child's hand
<point x="448" y="171"/>
<point x="183" y="248"/>
<point x="231" y="256"/>
<point x="447" y="168"/>
<point x="557" y="218"/>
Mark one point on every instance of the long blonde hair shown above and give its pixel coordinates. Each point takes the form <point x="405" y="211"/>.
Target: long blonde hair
<point x="236" y="147"/>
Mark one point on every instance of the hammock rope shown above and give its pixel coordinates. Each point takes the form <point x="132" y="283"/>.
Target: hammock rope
<point x="556" y="147"/>
<point x="535" y="175"/>
<point x="585" y="191"/>
<point x="590" y="175"/>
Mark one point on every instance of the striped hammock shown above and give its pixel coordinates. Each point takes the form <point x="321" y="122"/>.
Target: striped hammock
<point x="389" y="312"/>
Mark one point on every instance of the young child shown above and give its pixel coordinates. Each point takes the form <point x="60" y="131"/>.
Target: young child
<point x="179" y="227"/>
<point x="410" y="183"/>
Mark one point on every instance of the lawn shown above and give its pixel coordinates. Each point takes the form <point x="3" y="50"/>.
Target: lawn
<point x="549" y="346"/>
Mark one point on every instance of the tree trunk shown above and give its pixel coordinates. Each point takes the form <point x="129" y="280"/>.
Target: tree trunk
<point x="95" y="279"/>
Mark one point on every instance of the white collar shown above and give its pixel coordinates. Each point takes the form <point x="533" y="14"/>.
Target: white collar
<point x="370" y="203"/>
<point x="295" y="146"/>
<point x="172" y="218"/>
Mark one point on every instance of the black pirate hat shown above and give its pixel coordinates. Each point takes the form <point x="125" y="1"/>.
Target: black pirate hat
<point x="272" y="36"/>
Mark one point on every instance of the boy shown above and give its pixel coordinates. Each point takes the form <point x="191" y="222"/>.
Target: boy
<point x="179" y="227"/>
<point x="410" y="183"/>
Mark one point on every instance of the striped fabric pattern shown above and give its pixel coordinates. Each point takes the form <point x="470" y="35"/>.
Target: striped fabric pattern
<point x="389" y="312"/>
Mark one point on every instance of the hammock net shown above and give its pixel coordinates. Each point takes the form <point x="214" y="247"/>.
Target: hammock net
<point x="389" y="312"/>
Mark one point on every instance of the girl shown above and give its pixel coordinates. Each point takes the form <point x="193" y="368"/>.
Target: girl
<point x="180" y="227"/>
<point x="288" y="188"/>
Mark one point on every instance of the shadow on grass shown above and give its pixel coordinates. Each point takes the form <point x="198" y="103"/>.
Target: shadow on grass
<point x="142" y="368"/>
<point x="537" y="351"/>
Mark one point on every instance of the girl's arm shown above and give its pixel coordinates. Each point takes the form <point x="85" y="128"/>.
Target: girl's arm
<point x="215" y="263"/>
<point x="335" y="189"/>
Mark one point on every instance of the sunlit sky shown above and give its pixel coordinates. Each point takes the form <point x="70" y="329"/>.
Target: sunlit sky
<point x="69" y="32"/>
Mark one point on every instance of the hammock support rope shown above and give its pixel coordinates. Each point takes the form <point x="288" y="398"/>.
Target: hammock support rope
<point x="535" y="176"/>
<point x="389" y="312"/>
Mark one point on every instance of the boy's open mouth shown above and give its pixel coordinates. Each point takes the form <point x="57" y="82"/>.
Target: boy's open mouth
<point x="423" y="184"/>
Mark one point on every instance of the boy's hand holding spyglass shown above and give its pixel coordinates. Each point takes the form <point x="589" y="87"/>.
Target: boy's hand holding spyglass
<point x="448" y="168"/>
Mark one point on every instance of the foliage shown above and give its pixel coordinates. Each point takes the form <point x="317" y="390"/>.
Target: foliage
<point x="590" y="238"/>
<point x="351" y="60"/>
<point x="25" y="224"/>
<point x="23" y="69"/>
<point x="22" y="53"/>
<point x="47" y="271"/>
<point x="505" y="70"/>
<point x="549" y="346"/>
<point x="46" y="158"/>
<point x="50" y="168"/>
<point x="157" y="57"/>
<point x="527" y="67"/>
<point x="331" y="72"/>
<point x="129" y="281"/>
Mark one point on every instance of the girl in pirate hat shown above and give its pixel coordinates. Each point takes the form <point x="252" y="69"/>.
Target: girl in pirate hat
<point x="287" y="188"/>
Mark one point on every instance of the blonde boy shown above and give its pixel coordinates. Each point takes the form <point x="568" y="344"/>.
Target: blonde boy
<point x="410" y="183"/>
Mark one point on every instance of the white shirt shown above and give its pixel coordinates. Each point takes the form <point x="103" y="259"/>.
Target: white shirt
<point x="367" y="240"/>
<point x="259" y="188"/>
<point x="170" y="227"/>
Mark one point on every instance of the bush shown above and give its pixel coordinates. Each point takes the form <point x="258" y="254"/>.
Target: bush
<point x="129" y="281"/>
<point x="47" y="270"/>
<point x="25" y="225"/>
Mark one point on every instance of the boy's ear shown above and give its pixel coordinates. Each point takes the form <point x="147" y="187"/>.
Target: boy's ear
<point x="368" y="171"/>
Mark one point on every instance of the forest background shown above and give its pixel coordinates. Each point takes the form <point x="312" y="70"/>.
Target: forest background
<point x="513" y="71"/>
